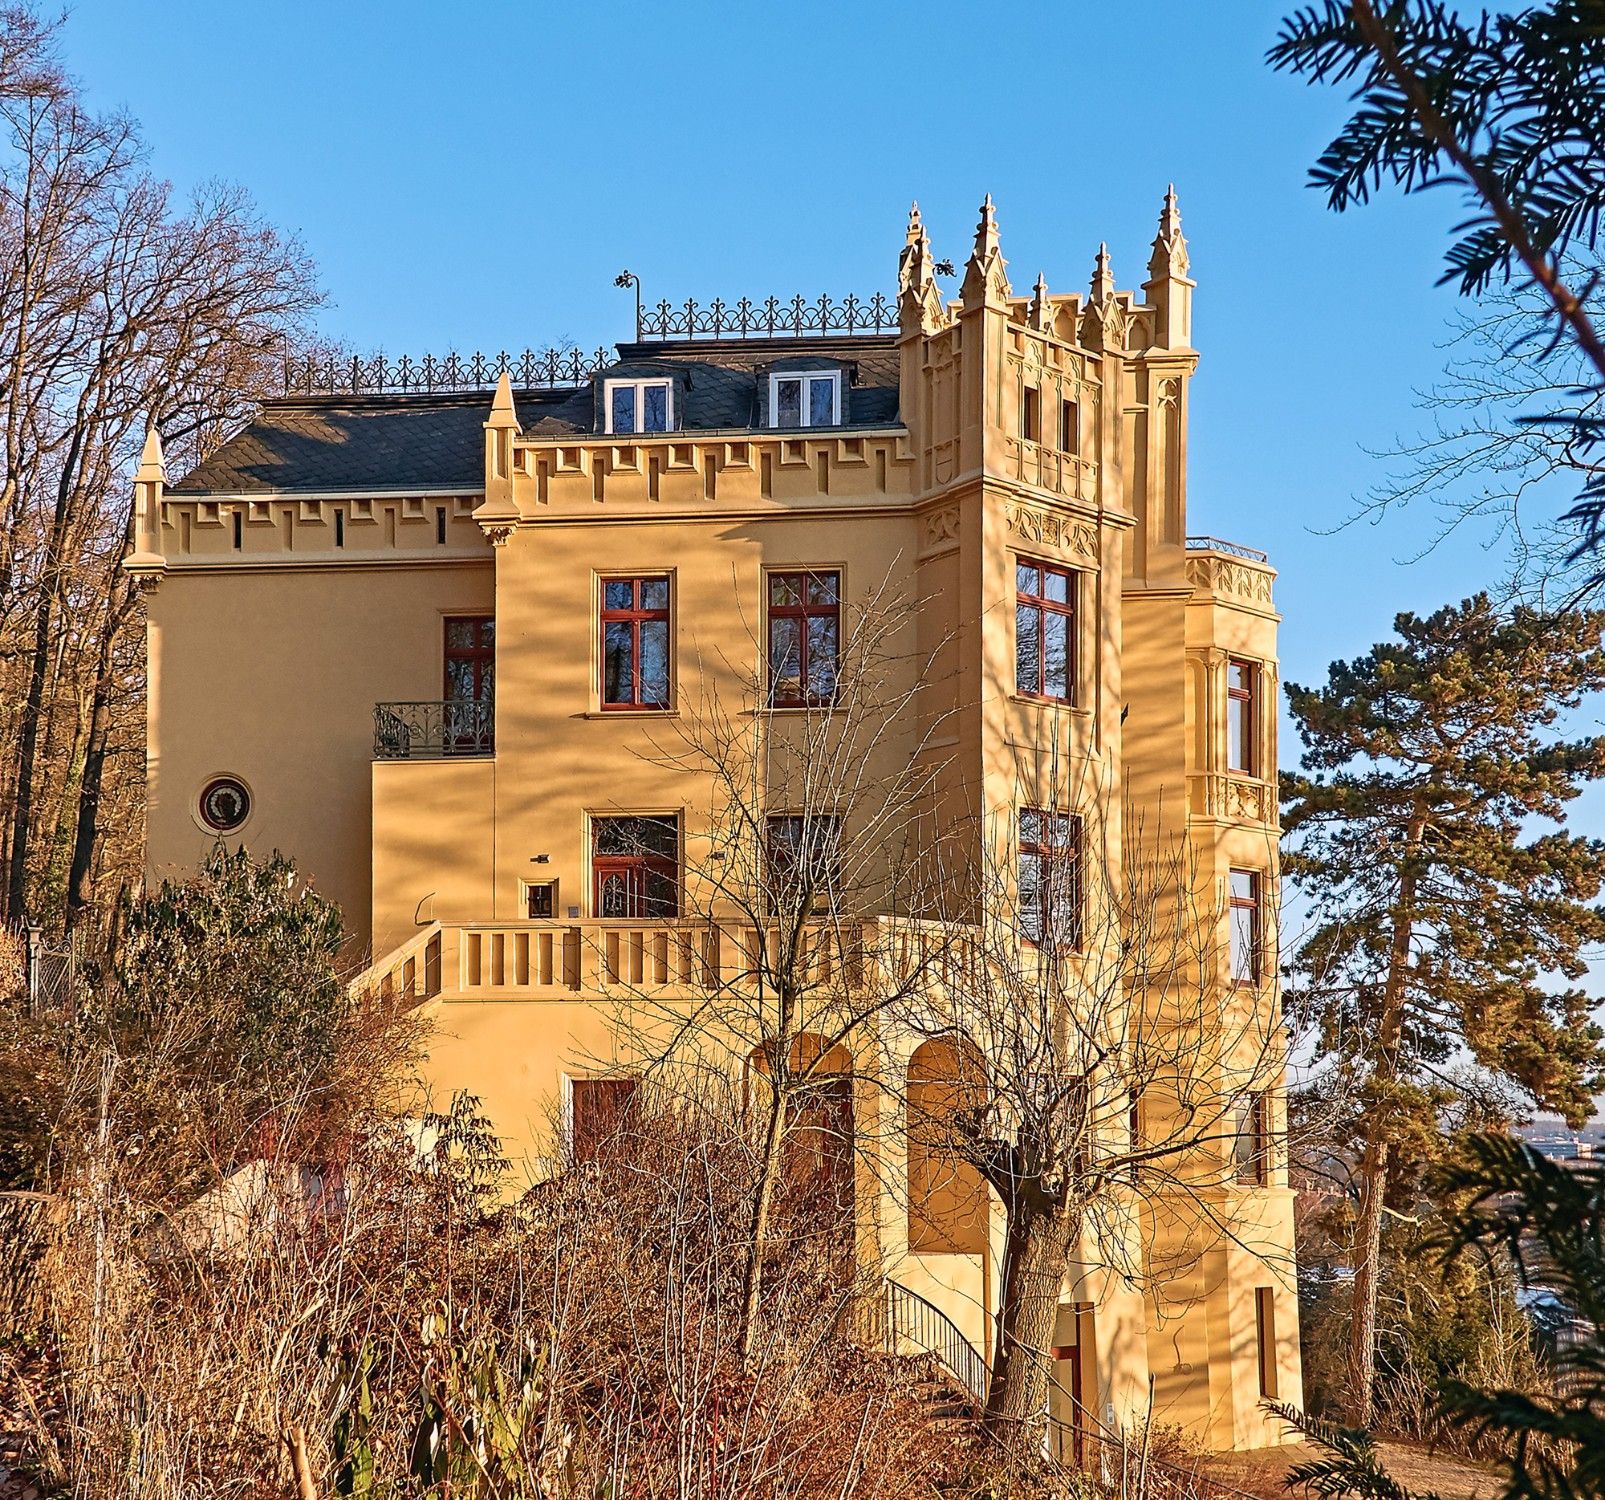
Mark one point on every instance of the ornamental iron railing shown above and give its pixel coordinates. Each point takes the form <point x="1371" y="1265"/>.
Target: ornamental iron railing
<point x="433" y="730"/>
<point x="771" y="318"/>
<point x="1231" y="549"/>
<point x="441" y="374"/>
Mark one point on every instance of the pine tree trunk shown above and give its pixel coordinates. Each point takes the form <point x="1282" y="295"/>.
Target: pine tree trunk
<point x="1367" y="1258"/>
<point x="1034" y="1258"/>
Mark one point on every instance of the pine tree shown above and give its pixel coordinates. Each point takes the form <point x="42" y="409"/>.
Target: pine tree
<point x="1448" y="907"/>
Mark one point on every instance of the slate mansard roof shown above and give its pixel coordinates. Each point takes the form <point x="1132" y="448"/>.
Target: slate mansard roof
<point x="324" y="443"/>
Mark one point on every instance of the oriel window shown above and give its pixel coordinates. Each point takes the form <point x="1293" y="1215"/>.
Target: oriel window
<point x="804" y="638"/>
<point x="1242" y="716"/>
<point x="1045" y="631"/>
<point x="635" y="642"/>
<point x="1050" y="878"/>
<point x="1247" y="924"/>
<point x="635" y="866"/>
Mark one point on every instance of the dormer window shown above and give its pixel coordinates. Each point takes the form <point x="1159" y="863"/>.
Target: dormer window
<point x="805" y="398"/>
<point x="639" y="406"/>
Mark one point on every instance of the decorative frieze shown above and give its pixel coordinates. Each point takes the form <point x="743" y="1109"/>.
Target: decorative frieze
<point x="1042" y="528"/>
<point x="1229" y="576"/>
<point x="1234" y="799"/>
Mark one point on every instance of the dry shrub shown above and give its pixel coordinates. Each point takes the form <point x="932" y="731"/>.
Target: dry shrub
<point x="433" y="1338"/>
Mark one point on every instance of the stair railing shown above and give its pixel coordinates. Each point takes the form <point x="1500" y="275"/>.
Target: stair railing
<point x="907" y="1318"/>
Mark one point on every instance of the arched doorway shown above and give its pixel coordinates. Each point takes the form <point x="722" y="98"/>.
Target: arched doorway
<point x="947" y="1199"/>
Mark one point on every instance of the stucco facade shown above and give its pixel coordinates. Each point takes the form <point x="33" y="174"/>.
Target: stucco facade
<point x="326" y="587"/>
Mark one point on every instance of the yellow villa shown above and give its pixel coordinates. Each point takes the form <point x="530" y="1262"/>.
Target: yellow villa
<point x="428" y="628"/>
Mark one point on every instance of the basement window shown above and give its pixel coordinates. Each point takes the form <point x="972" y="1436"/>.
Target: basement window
<point x="639" y="406"/>
<point x="799" y="398"/>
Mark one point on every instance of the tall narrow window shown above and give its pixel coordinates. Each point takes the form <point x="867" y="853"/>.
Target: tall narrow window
<point x="639" y="406"/>
<point x="469" y="713"/>
<point x="600" y="1110"/>
<point x="440" y="525"/>
<point x="239" y="530"/>
<point x="1031" y="415"/>
<point x="635" y="866"/>
<point x="1265" y="1341"/>
<point x="1050" y="878"/>
<point x="635" y="643"/>
<point x="1247" y="927"/>
<point x="1069" y="427"/>
<point x="804" y="638"/>
<point x="805" y="399"/>
<point x="1251" y="1138"/>
<point x="1045" y="631"/>
<point x="1242" y="715"/>
<point x="802" y="861"/>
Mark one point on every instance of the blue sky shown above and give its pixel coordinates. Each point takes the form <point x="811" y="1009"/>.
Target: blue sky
<point x="474" y="175"/>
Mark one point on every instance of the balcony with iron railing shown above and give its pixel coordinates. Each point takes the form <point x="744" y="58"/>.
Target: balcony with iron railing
<point x="434" y="730"/>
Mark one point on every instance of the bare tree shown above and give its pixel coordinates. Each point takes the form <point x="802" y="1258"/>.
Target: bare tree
<point x="119" y="309"/>
<point x="819" y="768"/>
<point x="1105" y="1072"/>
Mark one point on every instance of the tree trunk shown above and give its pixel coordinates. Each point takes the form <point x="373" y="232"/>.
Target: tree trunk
<point x="84" y="833"/>
<point x="1367" y="1249"/>
<point x="1035" y="1252"/>
<point x="758" y="1226"/>
<point x="1367" y="1257"/>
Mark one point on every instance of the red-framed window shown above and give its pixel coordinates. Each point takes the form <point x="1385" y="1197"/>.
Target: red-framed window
<point x="600" y="1110"/>
<point x="804" y="637"/>
<point x="1242" y="716"/>
<point x="1045" y="631"/>
<point x="1050" y="878"/>
<point x="635" y="642"/>
<point x="1247" y="927"/>
<point x="470" y="658"/>
<point x="635" y="866"/>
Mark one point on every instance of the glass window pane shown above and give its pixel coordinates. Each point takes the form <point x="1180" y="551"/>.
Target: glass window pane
<point x="1056" y="656"/>
<point x="655" y="408"/>
<point x="822" y="657"/>
<point x="788" y="403"/>
<point x="487" y="681"/>
<point x="624" y="408"/>
<point x="1243" y="885"/>
<point x="618" y="662"/>
<point x="1237" y="676"/>
<point x="614" y="896"/>
<point x="783" y="588"/>
<point x="1030" y="826"/>
<point x="654" y="593"/>
<point x="821" y="403"/>
<point x="655" y="662"/>
<point x="459" y="679"/>
<point x="1027" y="648"/>
<point x="1025" y="578"/>
<point x="662" y="894"/>
<point x="1237" y="736"/>
<point x="459" y="635"/>
<point x="618" y="593"/>
<point x="785" y="658"/>
<point x="1056" y="586"/>
<point x="1243" y="944"/>
<point x="1031" y="895"/>
<point x="822" y="588"/>
<point x="487" y="633"/>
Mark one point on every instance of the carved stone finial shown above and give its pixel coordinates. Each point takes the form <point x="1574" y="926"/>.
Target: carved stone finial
<point x="1103" y="279"/>
<point x="1170" y="249"/>
<point x="1038" y="313"/>
<point x="503" y="413"/>
<point x="985" y="277"/>
<point x="919" y="303"/>
<point x="152" y="461"/>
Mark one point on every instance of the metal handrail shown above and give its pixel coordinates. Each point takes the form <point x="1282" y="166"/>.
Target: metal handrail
<point x="1231" y="549"/>
<point x="433" y="729"/>
<point x="907" y="1317"/>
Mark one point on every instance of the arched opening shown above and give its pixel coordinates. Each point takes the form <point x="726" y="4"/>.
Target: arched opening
<point x="818" y="1165"/>
<point x="947" y="1202"/>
